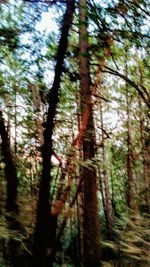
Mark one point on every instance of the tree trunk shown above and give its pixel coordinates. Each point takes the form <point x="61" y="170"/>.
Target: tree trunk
<point x="45" y="230"/>
<point x="130" y="189"/>
<point x="107" y="201"/>
<point x="10" y="169"/>
<point x="91" y="227"/>
<point x="145" y="153"/>
<point x="15" y="119"/>
<point x="13" y="255"/>
<point x="146" y="166"/>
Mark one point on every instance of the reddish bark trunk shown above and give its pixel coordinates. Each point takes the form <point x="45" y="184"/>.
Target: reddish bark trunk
<point x="91" y="227"/>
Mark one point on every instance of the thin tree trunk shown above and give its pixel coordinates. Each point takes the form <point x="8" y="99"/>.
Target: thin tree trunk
<point x="45" y="230"/>
<point x="80" y="198"/>
<point x="91" y="226"/>
<point x="130" y="188"/>
<point x="129" y="157"/>
<point x="15" y="117"/>
<point x="146" y="167"/>
<point x="108" y="200"/>
<point x="145" y="152"/>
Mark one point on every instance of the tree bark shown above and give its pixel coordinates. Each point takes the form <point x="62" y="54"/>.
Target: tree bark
<point x="10" y="169"/>
<point x="45" y="230"/>
<point x="91" y="226"/>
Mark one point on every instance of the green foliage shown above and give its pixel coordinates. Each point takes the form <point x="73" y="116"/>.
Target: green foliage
<point x="132" y="239"/>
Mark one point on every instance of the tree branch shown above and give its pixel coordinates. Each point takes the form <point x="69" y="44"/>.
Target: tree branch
<point x="133" y="84"/>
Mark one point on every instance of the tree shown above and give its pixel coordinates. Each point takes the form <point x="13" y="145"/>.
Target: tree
<point x="45" y="231"/>
<point x="10" y="169"/>
<point x="91" y="221"/>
